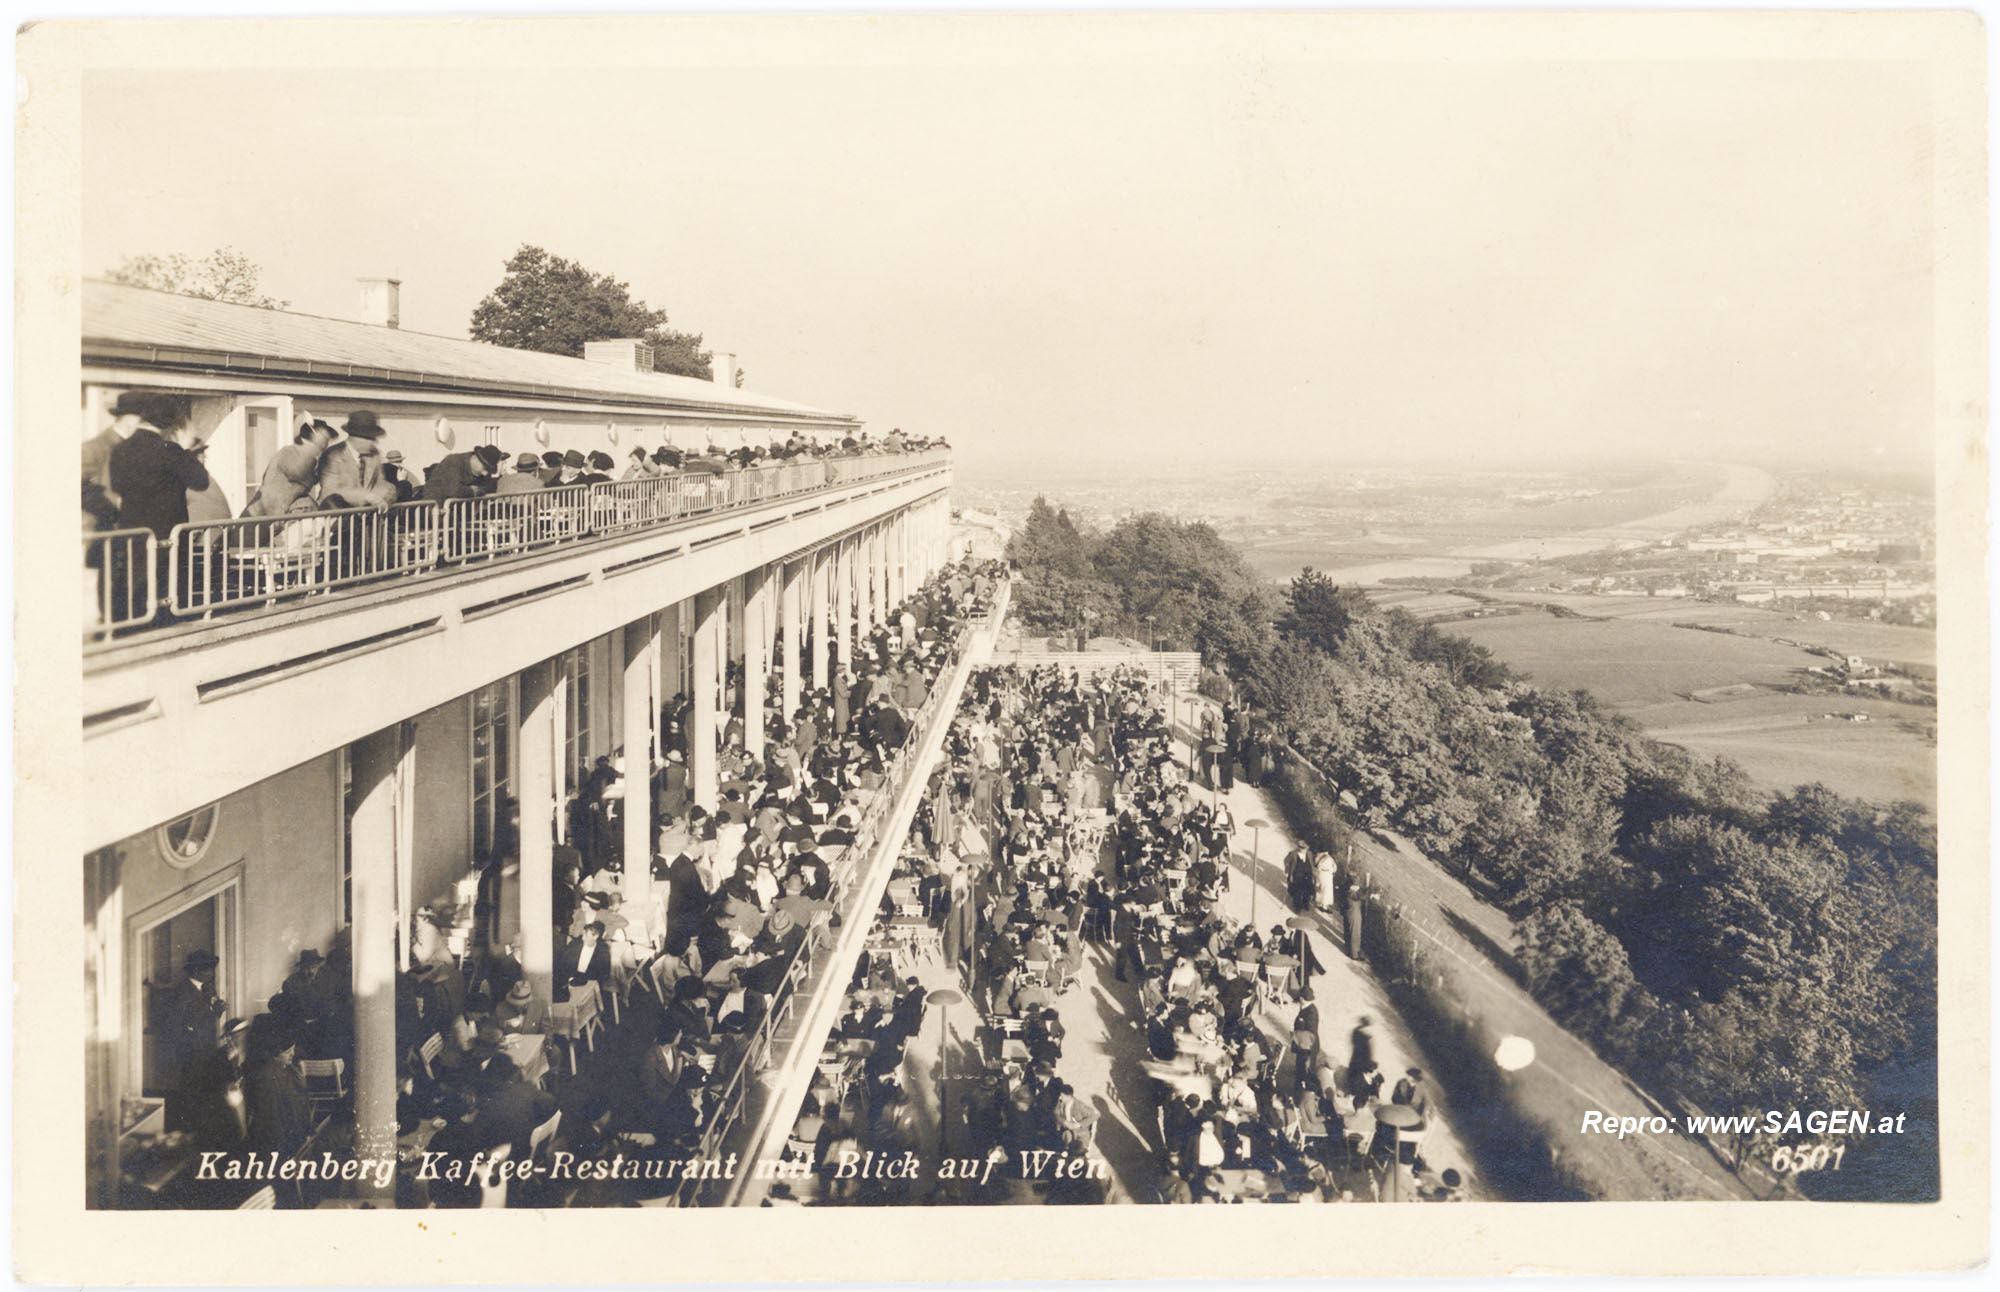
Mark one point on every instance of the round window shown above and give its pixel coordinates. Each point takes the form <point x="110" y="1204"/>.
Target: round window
<point x="184" y="842"/>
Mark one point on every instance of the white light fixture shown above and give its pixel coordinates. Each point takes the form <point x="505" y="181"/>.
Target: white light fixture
<point x="611" y="431"/>
<point x="444" y="431"/>
<point x="541" y="432"/>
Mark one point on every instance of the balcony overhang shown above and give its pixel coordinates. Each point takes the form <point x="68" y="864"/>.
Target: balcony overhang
<point x="181" y="718"/>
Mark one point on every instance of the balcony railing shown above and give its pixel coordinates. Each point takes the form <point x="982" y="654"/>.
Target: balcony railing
<point x="118" y="581"/>
<point x="132" y="580"/>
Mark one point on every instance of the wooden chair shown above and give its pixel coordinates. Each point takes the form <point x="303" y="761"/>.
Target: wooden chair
<point x="1036" y="972"/>
<point x="427" y="1054"/>
<point x="265" y="1199"/>
<point x="326" y="1083"/>
<point x="539" y="1138"/>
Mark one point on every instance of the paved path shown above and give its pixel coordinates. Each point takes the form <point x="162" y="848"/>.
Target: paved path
<point x="1104" y="1046"/>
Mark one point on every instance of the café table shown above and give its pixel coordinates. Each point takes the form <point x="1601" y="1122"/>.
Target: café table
<point x="530" y="1053"/>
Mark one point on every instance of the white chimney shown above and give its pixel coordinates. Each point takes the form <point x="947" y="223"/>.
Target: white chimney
<point x="723" y="366"/>
<point x="382" y="301"/>
<point x="629" y="353"/>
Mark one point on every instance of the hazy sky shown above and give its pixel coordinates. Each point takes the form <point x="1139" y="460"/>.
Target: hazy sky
<point x="1253" y="259"/>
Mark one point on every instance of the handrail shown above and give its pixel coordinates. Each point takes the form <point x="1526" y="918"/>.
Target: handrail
<point x="118" y="581"/>
<point x="895" y="781"/>
<point x="233" y="565"/>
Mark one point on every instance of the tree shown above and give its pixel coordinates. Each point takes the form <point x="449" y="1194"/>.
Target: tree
<point x="222" y="275"/>
<point x="554" y="305"/>
<point x="1575" y="968"/>
<point x="1319" y="612"/>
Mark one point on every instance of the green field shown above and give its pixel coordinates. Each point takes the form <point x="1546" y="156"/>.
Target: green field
<point x="1649" y="670"/>
<point x="1887" y="643"/>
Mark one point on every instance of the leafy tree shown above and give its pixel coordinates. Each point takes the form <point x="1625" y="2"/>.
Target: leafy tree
<point x="1576" y="968"/>
<point x="554" y="305"/>
<point x="1319" y="612"/>
<point x="221" y="275"/>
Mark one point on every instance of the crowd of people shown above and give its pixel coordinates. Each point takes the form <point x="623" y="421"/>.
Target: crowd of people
<point x="665" y="972"/>
<point x="148" y="470"/>
<point x="1062" y="821"/>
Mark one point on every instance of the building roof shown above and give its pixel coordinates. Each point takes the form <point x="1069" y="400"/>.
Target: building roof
<point x="160" y="329"/>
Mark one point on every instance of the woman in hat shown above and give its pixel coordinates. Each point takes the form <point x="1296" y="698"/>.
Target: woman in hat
<point x="274" y="1095"/>
<point x="597" y="469"/>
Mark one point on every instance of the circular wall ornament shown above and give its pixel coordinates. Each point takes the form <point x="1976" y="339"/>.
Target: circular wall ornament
<point x="185" y="841"/>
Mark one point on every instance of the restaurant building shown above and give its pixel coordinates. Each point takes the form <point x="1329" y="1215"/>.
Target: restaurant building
<point x="284" y="749"/>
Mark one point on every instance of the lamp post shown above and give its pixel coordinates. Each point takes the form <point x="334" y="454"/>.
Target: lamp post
<point x="1256" y="825"/>
<point x="944" y="998"/>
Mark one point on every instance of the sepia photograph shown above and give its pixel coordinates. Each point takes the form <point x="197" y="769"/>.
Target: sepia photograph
<point x="840" y="613"/>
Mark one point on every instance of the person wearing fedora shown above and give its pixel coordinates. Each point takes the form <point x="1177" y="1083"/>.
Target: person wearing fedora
<point x="526" y="477"/>
<point x="350" y="476"/>
<point x="186" y="1015"/>
<point x="464" y="475"/>
<point x="398" y="473"/>
<point x="350" y="473"/>
<point x="293" y="471"/>
<point x="519" y="1011"/>
<point x="100" y="503"/>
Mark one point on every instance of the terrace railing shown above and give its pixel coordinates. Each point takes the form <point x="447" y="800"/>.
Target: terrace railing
<point x="900" y="769"/>
<point x="118" y="581"/>
<point x="259" y="562"/>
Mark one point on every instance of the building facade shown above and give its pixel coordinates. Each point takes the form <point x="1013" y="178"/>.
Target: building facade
<point x="280" y="766"/>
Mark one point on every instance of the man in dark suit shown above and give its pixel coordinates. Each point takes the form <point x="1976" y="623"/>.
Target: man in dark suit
<point x="185" y="1031"/>
<point x="509" y="1109"/>
<point x="463" y="475"/>
<point x="152" y="470"/>
<point x="586" y="959"/>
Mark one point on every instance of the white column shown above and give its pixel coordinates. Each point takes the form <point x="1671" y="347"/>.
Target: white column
<point x="843" y="604"/>
<point x="756" y="656"/>
<point x="820" y="613"/>
<point x="375" y="763"/>
<point x="540" y="762"/>
<point x="793" y="622"/>
<point x="872" y="548"/>
<point x="642" y="715"/>
<point x="703" y="725"/>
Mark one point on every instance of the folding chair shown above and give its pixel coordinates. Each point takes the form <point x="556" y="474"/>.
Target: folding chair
<point x="427" y="1054"/>
<point x="539" y="1137"/>
<point x="265" y="1199"/>
<point x="326" y="1082"/>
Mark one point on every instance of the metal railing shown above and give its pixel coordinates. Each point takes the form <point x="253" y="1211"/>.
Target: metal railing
<point x="119" y="581"/>
<point x="899" y="770"/>
<point x="234" y="565"/>
<point x="259" y="560"/>
<point x="506" y="524"/>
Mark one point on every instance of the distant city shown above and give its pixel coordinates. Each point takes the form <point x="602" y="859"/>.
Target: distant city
<point x="1847" y="545"/>
<point x="1785" y="620"/>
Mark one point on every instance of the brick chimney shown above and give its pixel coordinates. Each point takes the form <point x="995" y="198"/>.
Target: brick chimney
<point x="723" y="366"/>
<point x="382" y="301"/>
<point x="629" y="353"/>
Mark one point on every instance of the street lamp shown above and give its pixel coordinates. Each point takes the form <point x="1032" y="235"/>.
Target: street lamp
<point x="944" y="998"/>
<point x="1257" y="826"/>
